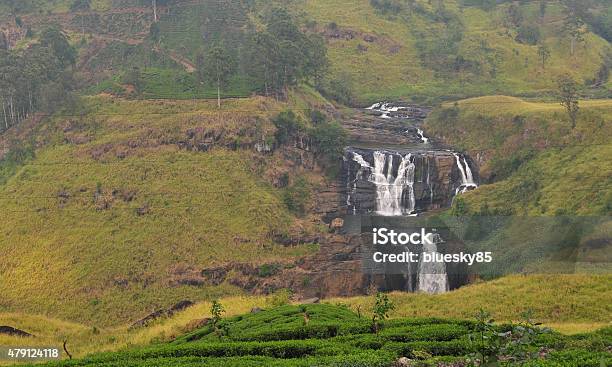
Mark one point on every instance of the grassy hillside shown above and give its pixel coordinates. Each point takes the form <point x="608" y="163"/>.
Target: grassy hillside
<point x="87" y="338"/>
<point x="533" y="163"/>
<point x="536" y="163"/>
<point x="581" y="306"/>
<point x="124" y="201"/>
<point x="310" y="335"/>
<point x="392" y="54"/>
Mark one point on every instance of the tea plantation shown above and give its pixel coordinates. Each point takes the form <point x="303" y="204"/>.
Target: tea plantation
<point x="328" y="335"/>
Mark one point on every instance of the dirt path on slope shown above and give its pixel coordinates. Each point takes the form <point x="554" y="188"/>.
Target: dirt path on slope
<point x="187" y="64"/>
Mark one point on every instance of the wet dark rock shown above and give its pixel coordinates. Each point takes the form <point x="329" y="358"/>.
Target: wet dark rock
<point x="11" y="331"/>
<point x="148" y="319"/>
<point x="145" y="321"/>
<point x="180" y="306"/>
<point x="369" y="38"/>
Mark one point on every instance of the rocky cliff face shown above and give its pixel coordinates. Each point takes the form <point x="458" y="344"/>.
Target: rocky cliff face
<point x="391" y="170"/>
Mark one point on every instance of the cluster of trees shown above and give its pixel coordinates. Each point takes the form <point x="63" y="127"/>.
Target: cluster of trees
<point x="527" y="31"/>
<point x="387" y="6"/>
<point x="580" y="15"/>
<point x="329" y="140"/>
<point x="274" y="58"/>
<point x="438" y="45"/>
<point x="328" y="136"/>
<point x="38" y="78"/>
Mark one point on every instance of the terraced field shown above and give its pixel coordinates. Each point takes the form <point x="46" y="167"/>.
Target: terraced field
<point x="326" y="335"/>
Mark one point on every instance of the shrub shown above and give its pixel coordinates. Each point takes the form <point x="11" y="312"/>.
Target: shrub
<point x="436" y="332"/>
<point x="296" y="196"/>
<point x="528" y="34"/>
<point x="317" y="117"/>
<point x="380" y="310"/>
<point x="435" y="348"/>
<point x="287" y="125"/>
<point x="330" y="139"/>
<point x="268" y="270"/>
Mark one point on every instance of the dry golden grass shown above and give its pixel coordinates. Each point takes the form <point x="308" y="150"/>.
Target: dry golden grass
<point x="497" y="105"/>
<point x="581" y="301"/>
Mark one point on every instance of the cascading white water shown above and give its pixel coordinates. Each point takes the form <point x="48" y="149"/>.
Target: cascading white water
<point x="385" y="108"/>
<point x="390" y="189"/>
<point x="432" y="275"/>
<point x="429" y="184"/>
<point x="467" y="178"/>
<point x="362" y="162"/>
<point x="422" y="136"/>
<point x="468" y="172"/>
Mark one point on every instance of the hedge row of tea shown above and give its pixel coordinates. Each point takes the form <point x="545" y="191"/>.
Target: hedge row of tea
<point x="326" y="335"/>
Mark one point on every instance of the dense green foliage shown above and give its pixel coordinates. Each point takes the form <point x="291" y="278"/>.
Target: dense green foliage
<point x="283" y="55"/>
<point x="326" y="335"/>
<point x="35" y="79"/>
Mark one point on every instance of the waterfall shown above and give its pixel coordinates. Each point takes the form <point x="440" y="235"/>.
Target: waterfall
<point x="394" y="184"/>
<point x="467" y="178"/>
<point x="429" y="184"/>
<point x="390" y="187"/>
<point x="432" y="275"/>
<point x="422" y="136"/>
<point x="391" y="191"/>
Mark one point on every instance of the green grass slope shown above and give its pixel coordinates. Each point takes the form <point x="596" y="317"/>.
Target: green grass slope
<point x="111" y="217"/>
<point x="533" y="159"/>
<point x="327" y="335"/>
<point x="571" y="302"/>
<point x="392" y="55"/>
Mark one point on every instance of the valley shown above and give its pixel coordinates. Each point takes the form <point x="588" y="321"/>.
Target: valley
<point x="197" y="182"/>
